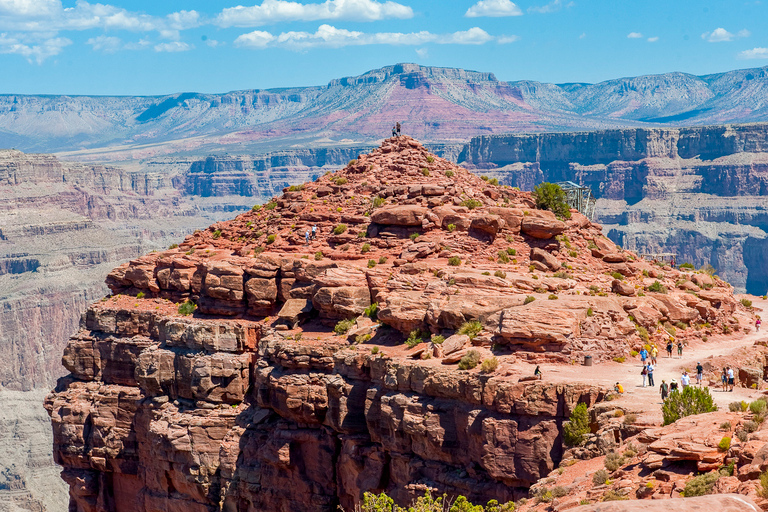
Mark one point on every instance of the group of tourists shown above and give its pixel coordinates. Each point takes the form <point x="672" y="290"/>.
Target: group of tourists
<point x="311" y="235"/>
<point x="396" y="130"/>
<point x="727" y="378"/>
<point x="671" y="346"/>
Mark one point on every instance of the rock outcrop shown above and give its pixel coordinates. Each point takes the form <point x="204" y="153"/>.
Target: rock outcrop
<point x="252" y="402"/>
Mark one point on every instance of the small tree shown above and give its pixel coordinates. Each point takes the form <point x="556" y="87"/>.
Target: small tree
<point x="577" y="427"/>
<point x="549" y="196"/>
<point x="689" y="401"/>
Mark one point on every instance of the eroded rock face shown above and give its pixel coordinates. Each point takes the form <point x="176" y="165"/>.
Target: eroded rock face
<point x="252" y="403"/>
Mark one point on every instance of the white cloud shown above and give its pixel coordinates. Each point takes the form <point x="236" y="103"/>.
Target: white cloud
<point x="635" y="35"/>
<point x="273" y="11"/>
<point x="493" y="8"/>
<point x="507" y="39"/>
<point x="583" y="35"/>
<point x="214" y="43"/>
<point x="173" y="46"/>
<point x="422" y="52"/>
<point x="553" y="6"/>
<point x="328" y="36"/>
<point x="653" y="39"/>
<point x="720" y="35"/>
<point x="33" y="52"/>
<point x="106" y="44"/>
<point x="754" y="53"/>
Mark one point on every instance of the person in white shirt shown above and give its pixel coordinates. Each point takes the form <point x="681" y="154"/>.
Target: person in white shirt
<point x="731" y="378"/>
<point x="685" y="380"/>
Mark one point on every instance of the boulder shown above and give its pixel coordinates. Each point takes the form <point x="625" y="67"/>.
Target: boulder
<point x="294" y="311"/>
<point x="718" y="502"/>
<point x="406" y="215"/>
<point x="622" y="288"/>
<point x="614" y="257"/>
<point x="542" y="226"/>
<point x="488" y="224"/>
<point x="549" y="260"/>
<point x="341" y="301"/>
<point x="454" y="343"/>
<point x="513" y="217"/>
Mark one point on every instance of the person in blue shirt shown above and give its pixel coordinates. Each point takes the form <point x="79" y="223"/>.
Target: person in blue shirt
<point x="643" y="355"/>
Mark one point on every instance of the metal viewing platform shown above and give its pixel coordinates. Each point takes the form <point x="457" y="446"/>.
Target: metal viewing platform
<point x="579" y="197"/>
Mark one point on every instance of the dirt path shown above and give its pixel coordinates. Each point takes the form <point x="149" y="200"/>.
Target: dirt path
<point x="646" y="401"/>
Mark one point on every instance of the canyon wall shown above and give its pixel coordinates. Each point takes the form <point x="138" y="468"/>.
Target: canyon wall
<point x="701" y="193"/>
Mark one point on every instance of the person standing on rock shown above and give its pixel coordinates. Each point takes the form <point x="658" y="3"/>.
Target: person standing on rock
<point x="731" y="379"/>
<point x="306" y="237"/>
<point x="397" y="127"/>
<point x="650" y="375"/>
<point x="314" y="231"/>
<point x="664" y="390"/>
<point x="394" y="132"/>
<point x="644" y="373"/>
<point x="685" y="380"/>
<point x="669" y="348"/>
<point x="699" y="373"/>
<point x="679" y="349"/>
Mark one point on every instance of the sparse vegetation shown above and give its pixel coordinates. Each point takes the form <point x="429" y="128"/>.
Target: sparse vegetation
<point x="470" y="360"/>
<point x="471" y="203"/>
<point x="271" y="239"/>
<point x="413" y="236"/>
<point x="577" y="425"/>
<point x="425" y="171"/>
<point x="500" y="274"/>
<point x="414" y="338"/>
<point x="724" y="444"/>
<point x="382" y="260"/>
<point x="319" y="255"/>
<point x="449" y="174"/>
<point x="187" y="307"/>
<point x="454" y="261"/>
<point x="451" y="228"/>
<point x="339" y="229"/>
<point x="561" y="274"/>
<point x="701" y="485"/>
<point x="599" y="477"/>
<point x="371" y="263"/>
<point x="529" y="299"/>
<point x="140" y="295"/>
<point x="746" y="303"/>
<point x="552" y="296"/>
<point x="657" y="287"/>
<point x="687" y="266"/>
<point x="471" y="329"/>
<point x="490" y="365"/>
<point x="343" y="326"/>
<point x="549" y="196"/>
<point x="365" y="248"/>
<point x="691" y="400"/>
<point x="590" y="312"/>
<point x="613" y="461"/>
<point x="503" y="257"/>
<point x="217" y="234"/>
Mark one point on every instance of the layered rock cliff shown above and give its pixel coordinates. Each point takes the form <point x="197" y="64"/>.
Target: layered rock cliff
<point x="290" y="387"/>
<point x="697" y="192"/>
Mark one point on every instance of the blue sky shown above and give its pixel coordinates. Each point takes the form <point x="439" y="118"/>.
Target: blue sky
<point x="143" y="47"/>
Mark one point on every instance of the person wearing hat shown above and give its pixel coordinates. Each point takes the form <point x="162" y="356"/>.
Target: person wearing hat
<point x="672" y="386"/>
<point x="699" y="373"/>
<point x="664" y="389"/>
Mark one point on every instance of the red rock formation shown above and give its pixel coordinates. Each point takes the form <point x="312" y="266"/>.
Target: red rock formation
<point x="230" y="409"/>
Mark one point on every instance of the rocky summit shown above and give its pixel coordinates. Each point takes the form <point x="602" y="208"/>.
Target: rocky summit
<point x="257" y="366"/>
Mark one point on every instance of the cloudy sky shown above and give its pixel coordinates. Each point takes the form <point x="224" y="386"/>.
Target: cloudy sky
<point x="159" y="47"/>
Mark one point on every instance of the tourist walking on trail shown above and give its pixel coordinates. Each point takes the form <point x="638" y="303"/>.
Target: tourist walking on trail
<point x="664" y="390"/>
<point x="685" y="380"/>
<point x="679" y="349"/>
<point x="757" y="324"/>
<point x="643" y="355"/>
<point x="397" y="127"/>
<point x="724" y="379"/>
<point x="644" y="373"/>
<point x="699" y="373"/>
<point x="672" y="385"/>
<point x="731" y="378"/>
<point x="669" y="348"/>
<point x="654" y="353"/>
<point x="650" y="375"/>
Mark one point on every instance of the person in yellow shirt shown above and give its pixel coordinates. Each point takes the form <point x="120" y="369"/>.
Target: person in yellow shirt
<point x="654" y="353"/>
<point x="618" y="388"/>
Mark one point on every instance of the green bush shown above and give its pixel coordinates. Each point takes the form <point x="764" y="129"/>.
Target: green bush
<point x="763" y="491"/>
<point x="175" y="246"/>
<point x="612" y="495"/>
<point x="490" y="365"/>
<point x="451" y="228"/>
<point x="382" y="260"/>
<point x="471" y="329"/>
<point x="500" y="274"/>
<point x="590" y="312"/>
<point x="757" y="407"/>
<point x="613" y="461"/>
<point x="371" y="263"/>
<point x="470" y="360"/>
<point x="493" y="181"/>
<point x="414" y="338"/>
<point x="529" y="299"/>
<point x="271" y="205"/>
<point x="701" y="485"/>
<point x="449" y="174"/>
<point x="599" y="477"/>
<point x="217" y="234"/>
<point x="746" y="303"/>
<point x="425" y="171"/>
<point x="339" y="229"/>
<point x="413" y="236"/>
<point x="503" y="257"/>
<point x="187" y="307"/>
<point x="343" y="326"/>
<point x="319" y="255"/>
<point x="560" y="274"/>
<point x="552" y="296"/>
<point x="691" y="400"/>
<point x="734" y="406"/>
<point x="437" y="339"/>
<point x="140" y="295"/>
<point x="271" y="239"/>
<point x="372" y="311"/>
<point x="454" y="261"/>
<point x="471" y="203"/>
<point x="577" y="425"/>
<point x="687" y="265"/>
<point x="511" y="251"/>
<point x="549" y="196"/>
<point x="377" y="202"/>
<point x="365" y="248"/>
<point x="724" y="444"/>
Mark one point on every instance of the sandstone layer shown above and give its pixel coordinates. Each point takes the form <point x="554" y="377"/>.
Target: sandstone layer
<point x="698" y="192"/>
<point x="254" y="403"/>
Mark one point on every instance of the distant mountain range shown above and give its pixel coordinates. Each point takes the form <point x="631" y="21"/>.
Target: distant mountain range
<point x="433" y="104"/>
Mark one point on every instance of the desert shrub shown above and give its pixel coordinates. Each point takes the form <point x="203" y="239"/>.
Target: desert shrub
<point x="413" y="236"/>
<point x="470" y="360"/>
<point x="140" y="295"/>
<point x="175" y="246"/>
<point x="372" y="310"/>
<point x="630" y="418"/>
<point x="657" y="287"/>
<point x="296" y="188"/>
<point x="687" y="265"/>
<point x="271" y="239"/>
<point x="590" y="312"/>
<point x="187" y="307"/>
<point x="708" y="269"/>
<point x="374" y="350"/>
<point x="382" y="260"/>
<point x="577" y="425"/>
<point x="724" y="444"/>
<point x="616" y="275"/>
<point x="742" y="435"/>
<point x="726" y="425"/>
<point x="681" y="325"/>
<point x="365" y="248"/>
<point x="599" y="477"/>
<point x="449" y="174"/>
<point x="340" y="181"/>
<point x="371" y="263"/>
<point x="471" y="203"/>
<point x="750" y="426"/>
<point x="549" y="196"/>
<point x="500" y="274"/>
<point x="612" y="495"/>
<point x="642" y="332"/>
<point x="217" y="234"/>
<point x="361" y="234"/>
<point x="256" y="208"/>
<point x="552" y="296"/>
<point x="757" y="407"/>
<point x="490" y="365"/>
<point x="319" y="255"/>
<point x="503" y="257"/>
<point x="343" y="326"/>
<point x="529" y="299"/>
<point x="763" y="491"/>
<point x="613" y="461"/>
<point x="620" y="359"/>
<point x="701" y="485"/>
<point x="471" y="328"/>
<point x="511" y="251"/>
<point x="270" y="205"/>
<point x="454" y="261"/>
<point x="437" y="339"/>
<point x="377" y="202"/>
<point x="691" y="400"/>
<point x="339" y="229"/>
<point x="414" y="338"/>
<point x="746" y="303"/>
<point x="561" y="275"/>
<point x="451" y="228"/>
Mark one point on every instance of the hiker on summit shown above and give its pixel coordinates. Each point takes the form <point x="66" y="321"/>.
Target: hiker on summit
<point x="757" y="324"/>
<point x="394" y="132"/>
<point x="314" y="231"/>
<point x="397" y="127"/>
